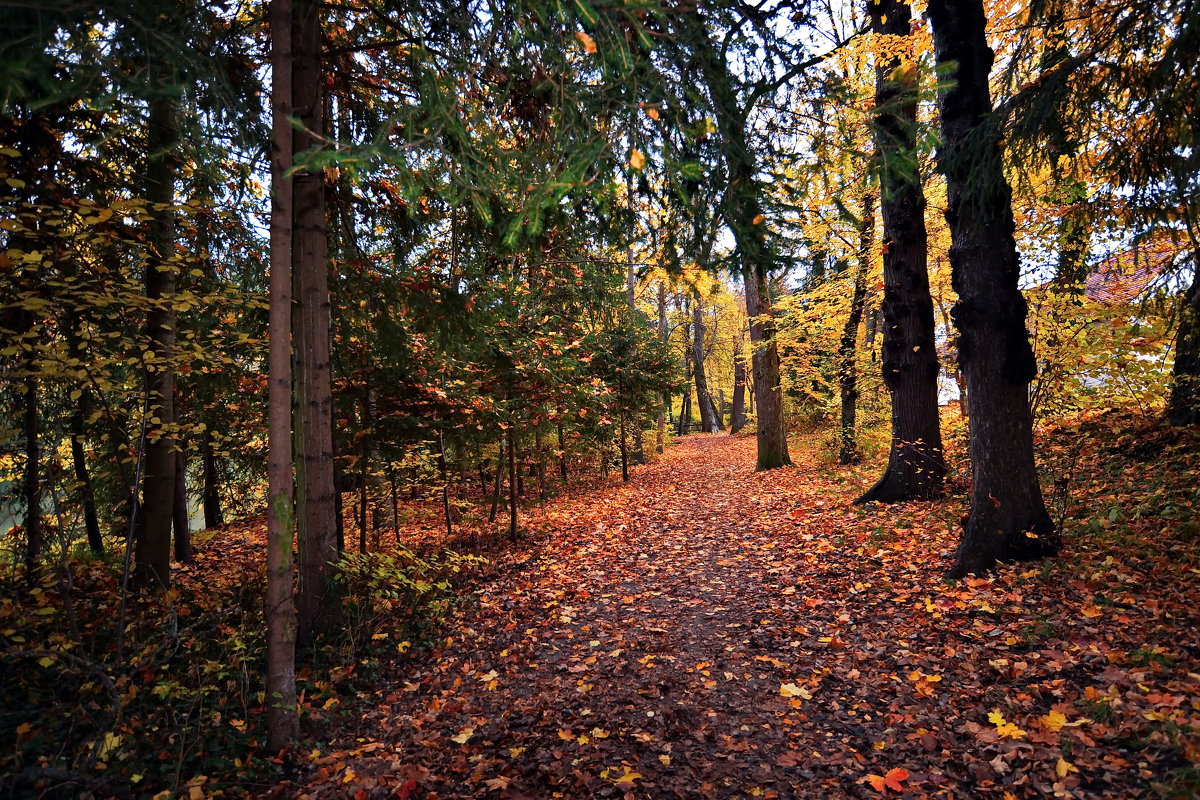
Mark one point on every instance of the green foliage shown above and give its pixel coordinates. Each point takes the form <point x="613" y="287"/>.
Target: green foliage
<point x="397" y="596"/>
<point x="1096" y="355"/>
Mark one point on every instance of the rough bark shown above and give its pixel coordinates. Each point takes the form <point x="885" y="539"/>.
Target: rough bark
<point x="283" y="721"/>
<point x="152" y="550"/>
<point x="848" y="347"/>
<point x="764" y="361"/>
<point x="1008" y="518"/>
<point x="1183" y="406"/>
<point x="317" y="516"/>
<point x="916" y="467"/>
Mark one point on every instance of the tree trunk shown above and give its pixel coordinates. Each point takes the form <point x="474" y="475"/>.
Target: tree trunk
<point x="768" y="391"/>
<point x="395" y="503"/>
<point x="512" y="483"/>
<point x="1008" y="518"/>
<point x="540" y="447"/>
<point x="743" y="214"/>
<point x="32" y="477"/>
<point x="708" y="414"/>
<point x="179" y="518"/>
<point x="1183" y="407"/>
<point x="87" y="497"/>
<point x="213" y="516"/>
<point x="562" y="449"/>
<point x="496" y="480"/>
<point x="283" y="721"/>
<point x="445" y="473"/>
<point x="660" y="439"/>
<point x="916" y="467"/>
<point x="153" y="540"/>
<point x="317" y="501"/>
<point x="848" y="349"/>
<point x="624" y="448"/>
<point x="685" y="411"/>
<point x="737" y="419"/>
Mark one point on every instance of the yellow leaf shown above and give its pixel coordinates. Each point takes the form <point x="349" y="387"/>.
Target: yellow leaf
<point x="1064" y="767"/>
<point x="637" y="159"/>
<point x="110" y="743"/>
<point x="1004" y="728"/>
<point x="463" y="736"/>
<point x="1055" y="721"/>
<point x="24" y="728"/>
<point x="626" y="779"/>
<point x="792" y="690"/>
<point x="589" y="44"/>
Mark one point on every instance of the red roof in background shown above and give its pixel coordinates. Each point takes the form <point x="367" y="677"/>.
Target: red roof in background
<point x="1125" y="276"/>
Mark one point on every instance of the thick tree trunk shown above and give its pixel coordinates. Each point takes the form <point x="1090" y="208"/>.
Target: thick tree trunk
<point x="211" y="492"/>
<point x="848" y="349"/>
<point x="317" y="515"/>
<point x="1008" y="518"/>
<point x="737" y="418"/>
<point x="708" y="414"/>
<point x="152" y="551"/>
<point x="916" y="467"/>
<point x="768" y="390"/>
<point x="1183" y="406"/>
<point x="179" y="517"/>
<point x="283" y="721"/>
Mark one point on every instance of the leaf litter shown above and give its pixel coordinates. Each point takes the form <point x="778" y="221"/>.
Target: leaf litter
<point x="707" y="631"/>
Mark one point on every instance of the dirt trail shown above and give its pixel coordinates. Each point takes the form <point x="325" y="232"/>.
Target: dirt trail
<point x="649" y="634"/>
<point x="711" y="632"/>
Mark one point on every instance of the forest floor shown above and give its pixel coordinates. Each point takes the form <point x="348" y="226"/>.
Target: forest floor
<point x="707" y="631"/>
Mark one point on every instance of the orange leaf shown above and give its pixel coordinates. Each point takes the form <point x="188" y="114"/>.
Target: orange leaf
<point x="892" y="780"/>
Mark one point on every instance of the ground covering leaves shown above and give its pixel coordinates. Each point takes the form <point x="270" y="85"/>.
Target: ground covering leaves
<point x="709" y="631"/>
<point x="704" y="631"/>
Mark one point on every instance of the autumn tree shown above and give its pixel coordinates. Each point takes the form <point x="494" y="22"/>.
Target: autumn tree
<point x="1008" y="517"/>
<point x="742" y="205"/>
<point x="916" y="467"/>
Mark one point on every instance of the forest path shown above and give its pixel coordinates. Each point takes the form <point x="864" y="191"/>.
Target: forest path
<point x="643" y="646"/>
<point x="707" y="631"/>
